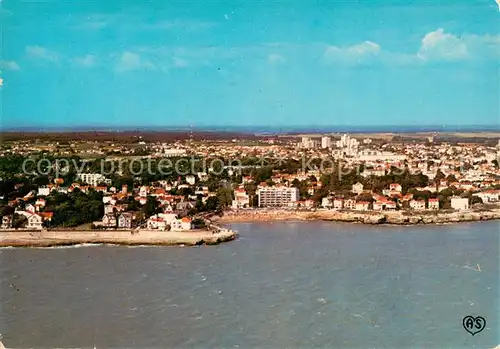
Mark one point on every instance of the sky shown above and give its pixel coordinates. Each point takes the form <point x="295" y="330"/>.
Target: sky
<point x="245" y="63"/>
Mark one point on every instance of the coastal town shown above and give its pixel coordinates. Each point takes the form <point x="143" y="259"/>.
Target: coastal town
<point x="186" y="185"/>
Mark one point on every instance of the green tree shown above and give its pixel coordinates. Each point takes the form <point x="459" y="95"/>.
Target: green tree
<point x="41" y="180"/>
<point x="151" y="207"/>
<point x="224" y="197"/>
<point x="198" y="223"/>
<point x="262" y="174"/>
<point x="475" y="200"/>
<point x="365" y="197"/>
<point x="18" y="221"/>
<point x="186" y="191"/>
<point x="439" y="176"/>
<point x="451" y="178"/>
<point x="6" y="210"/>
<point x="212" y="203"/>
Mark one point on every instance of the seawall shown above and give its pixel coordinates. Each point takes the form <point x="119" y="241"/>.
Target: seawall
<point x="44" y="238"/>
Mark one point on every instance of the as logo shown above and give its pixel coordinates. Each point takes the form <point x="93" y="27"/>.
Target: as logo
<point x="474" y="325"/>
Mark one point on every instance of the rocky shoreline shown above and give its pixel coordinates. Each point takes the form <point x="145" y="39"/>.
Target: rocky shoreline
<point x="387" y="217"/>
<point x="26" y="238"/>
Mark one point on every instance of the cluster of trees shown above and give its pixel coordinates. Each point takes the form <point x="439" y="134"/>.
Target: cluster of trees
<point x="17" y="220"/>
<point x="151" y="207"/>
<point x="222" y="199"/>
<point x="75" y="208"/>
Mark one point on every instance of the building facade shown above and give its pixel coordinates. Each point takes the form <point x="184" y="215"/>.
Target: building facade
<point x="458" y="203"/>
<point x="326" y="142"/>
<point x="277" y="196"/>
<point x="91" y="178"/>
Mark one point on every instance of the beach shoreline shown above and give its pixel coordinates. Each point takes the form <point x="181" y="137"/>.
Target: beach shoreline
<point x="368" y="217"/>
<point x="144" y="237"/>
<point x="53" y="238"/>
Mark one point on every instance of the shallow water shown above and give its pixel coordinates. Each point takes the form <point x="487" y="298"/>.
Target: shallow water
<point x="281" y="285"/>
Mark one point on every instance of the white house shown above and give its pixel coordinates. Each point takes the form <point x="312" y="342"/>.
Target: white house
<point x="350" y="204"/>
<point x="357" y="188"/>
<point x="108" y="209"/>
<point x="380" y="205"/>
<point x="109" y="220"/>
<point x="6" y="221"/>
<point x="327" y="202"/>
<point x="107" y="199"/>
<point x="162" y="220"/>
<point x="191" y="179"/>
<point x="181" y="224"/>
<point x="143" y="191"/>
<point x="35" y="221"/>
<point x="489" y="195"/>
<point x="186" y="223"/>
<point x="308" y="203"/>
<point x="417" y="204"/>
<point x="362" y="205"/>
<point x="125" y="220"/>
<point x="458" y="203"/>
<point x="43" y="191"/>
<point x="338" y="204"/>
<point x="155" y="222"/>
<point x="433" y="204"/>
<point x="395" y="187"/>
<point x="241" y="198"/>
<point x="202" y="176"/>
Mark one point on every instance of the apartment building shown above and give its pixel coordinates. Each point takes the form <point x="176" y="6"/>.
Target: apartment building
<point x="326" y="142"/>
<point x="277" y="196"/>
<point x="91" y="178"/>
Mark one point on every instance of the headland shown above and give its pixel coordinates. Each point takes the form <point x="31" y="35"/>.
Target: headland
<point x="384" y="217"/>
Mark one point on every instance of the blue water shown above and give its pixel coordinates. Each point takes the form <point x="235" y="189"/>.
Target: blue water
<point x="281" y="285"/>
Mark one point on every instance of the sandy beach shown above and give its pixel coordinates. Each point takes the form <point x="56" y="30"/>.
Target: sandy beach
<point x="25" y="238"/>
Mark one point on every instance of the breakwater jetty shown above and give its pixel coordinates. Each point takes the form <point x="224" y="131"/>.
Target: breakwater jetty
<point x="51" y="238"/>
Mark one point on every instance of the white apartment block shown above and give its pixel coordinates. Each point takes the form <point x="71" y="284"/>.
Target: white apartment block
<point x="173" y="152"/>
<point x="326" y="142"/>
<point x="308" y="143"/>
<point x="91" y="178"/>
<point x="277" y="196"/>
<point x="371" y="155"/>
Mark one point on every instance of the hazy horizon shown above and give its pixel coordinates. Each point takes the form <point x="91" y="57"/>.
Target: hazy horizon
<point x="268" y="129"/>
